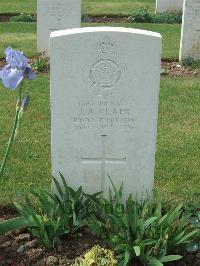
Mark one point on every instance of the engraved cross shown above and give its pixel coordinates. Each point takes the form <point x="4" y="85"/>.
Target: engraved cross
<point x="103" y="160"/>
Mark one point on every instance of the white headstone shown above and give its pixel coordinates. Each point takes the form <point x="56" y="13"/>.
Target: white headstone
<point x="104" y="106"/>
<point x="190" y="36"/>
<point x="53" y="15"/>
<point x="169" y="5"/>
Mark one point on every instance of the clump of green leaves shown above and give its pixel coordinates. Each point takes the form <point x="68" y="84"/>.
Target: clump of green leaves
<point x="142" y="15"/>
<point x="140" y="230"/>
<point x="97" y="256"/>
<point x="41" y="63"/>
<point x="191" y="62"/>
<point x="23" y="18"/>
<point x="192" y="213"/>
<point x="62" y="212"/>
<point x="143" y="231"/>
<point x="167" y="18"/>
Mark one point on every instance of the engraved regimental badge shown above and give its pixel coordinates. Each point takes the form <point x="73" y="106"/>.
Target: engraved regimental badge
<point x="105" y="71"/>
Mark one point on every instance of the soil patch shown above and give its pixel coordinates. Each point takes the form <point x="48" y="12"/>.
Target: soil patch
<point x="106" y="19"/>
<point x="19" y="248"/>
<point x="173" y="69"/>
<point x="85" y="18"/>
<point x="7" y="212"/>
<point x="4" y="18"/>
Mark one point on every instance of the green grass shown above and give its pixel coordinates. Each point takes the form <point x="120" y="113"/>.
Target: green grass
<point x="178" y="168"/>
<point x="23" y="36"/>
<point x="20" y="36"/>
<point x="116" y="7"/>
<point x="177" y="162"/>
<point x="30" y="160"/>
<point x="18" y="6"/>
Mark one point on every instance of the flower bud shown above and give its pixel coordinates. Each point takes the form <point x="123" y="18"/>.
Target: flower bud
<point x="25" y="103"/>
<point x="18" y="105"/>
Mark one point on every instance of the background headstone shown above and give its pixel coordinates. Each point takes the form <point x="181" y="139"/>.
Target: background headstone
<point x="190" y="36"/>
<point x="53" y="15"/>
<point x="104" y="106"/>
<point x="169" y="5"/>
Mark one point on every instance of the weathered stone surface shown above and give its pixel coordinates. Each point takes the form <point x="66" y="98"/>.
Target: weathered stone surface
<point x="104" y="105"/>
<point x="190" y="36"/>
<point x="169" y="5"/>
<point x="55" y="15"/>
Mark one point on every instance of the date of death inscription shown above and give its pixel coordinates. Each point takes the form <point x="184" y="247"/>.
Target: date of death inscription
<point x="103" y="115"/>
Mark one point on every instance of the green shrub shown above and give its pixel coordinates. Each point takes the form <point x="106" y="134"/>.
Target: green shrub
<point x="168" y="18"/>
<point x="141" y="231"/>
<point x="141" y="15"/>
<point x="41" y="63"/>
<point x="192" y="212"/>
<point x="23" y="18"/>
<point x="97" y="256"/>
<point x="191" y="62"/>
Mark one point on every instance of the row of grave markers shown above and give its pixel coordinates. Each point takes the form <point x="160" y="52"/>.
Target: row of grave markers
<point x="190" y="32"/>
<point x="56" y="15"/>
<point x="104" y="99"/>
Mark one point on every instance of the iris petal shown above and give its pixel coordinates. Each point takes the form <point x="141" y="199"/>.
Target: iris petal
<point x="11" y="78"/>
<point x="17" y="68"/>
<point x="16" y="59"/>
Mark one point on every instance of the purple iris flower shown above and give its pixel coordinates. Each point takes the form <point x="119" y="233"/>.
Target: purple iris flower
<point x="17" y="68"/>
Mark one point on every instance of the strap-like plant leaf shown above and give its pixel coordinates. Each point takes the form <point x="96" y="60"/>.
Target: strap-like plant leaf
<point x="94" y="198"/>
<point x="20" y="209"/>
<point x="65" y="187"/>
<point x="170" y="258"/>
<point x="46" y="204"/>
<point x="174" y="214"/>
<point x="177" y="238"/>
<point x="117" y="194"/>
<point x="148" y="242"/>
<point x="148" y="222"/>
<point x="187" y="237"/>
<point x="158" y="211"/>
<point x="152" y="261"/>
<point x="58" y="187"/>
<point x="55" y="199"/>
<point x="163" y="219"/>
<point x="126" y="257"/>
<point x="15" y="224"/>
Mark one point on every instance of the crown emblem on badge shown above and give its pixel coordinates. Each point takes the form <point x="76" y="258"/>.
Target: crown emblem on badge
<point x="105" y="46"/>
